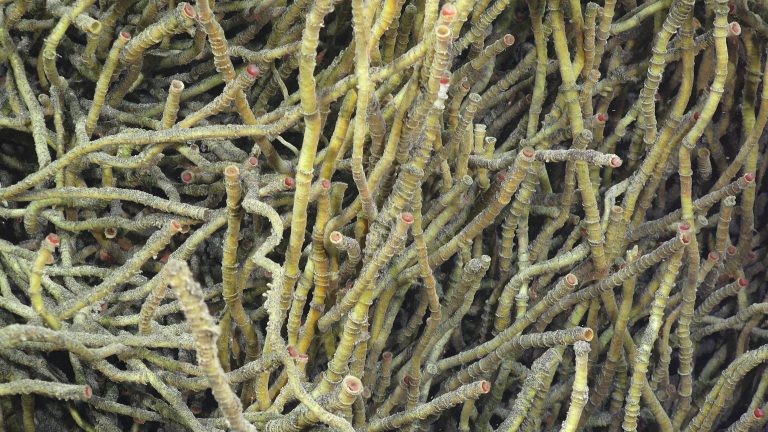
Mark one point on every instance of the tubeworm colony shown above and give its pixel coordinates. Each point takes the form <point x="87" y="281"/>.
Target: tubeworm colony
<point x="362" y="215"/>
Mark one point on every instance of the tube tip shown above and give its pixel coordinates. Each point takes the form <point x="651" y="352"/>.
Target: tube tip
<point x="352" y="384"/>
<point x="442" y="31"/>
<point x="231" y="171"/>
<point x="292" y="353"/>
<point x="734" y="29"/>
<point x="252" y="70"/>
<point x="448" y="11"/>
<point x="175" y="225"/>
<point x="110" y="232"/>
<point x="52" y="239"/>
<point x="336" y="237"/>
<point x="528" y="152"/>
<point x="685" y="238"/>
<point x="188" y="11"/>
